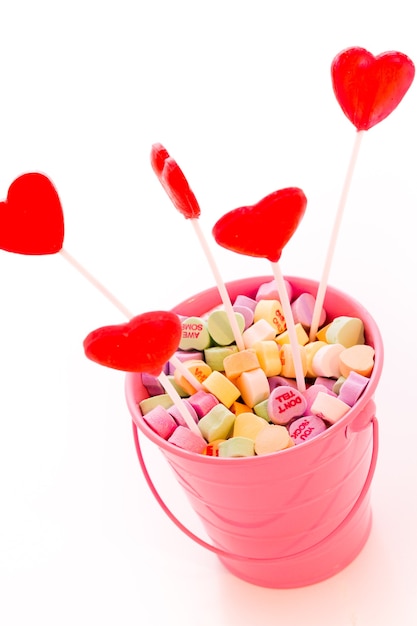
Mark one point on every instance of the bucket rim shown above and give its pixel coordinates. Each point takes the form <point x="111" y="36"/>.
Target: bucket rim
<point x="212" y="297"/>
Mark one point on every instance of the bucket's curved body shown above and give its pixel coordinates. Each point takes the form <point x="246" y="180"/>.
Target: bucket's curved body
<point x="295" y="517"/>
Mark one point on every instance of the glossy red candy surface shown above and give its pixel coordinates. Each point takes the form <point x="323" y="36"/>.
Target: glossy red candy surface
<point x="262" y="229"/>
<point x="31" y="217"/>
<point x="144" y="344"/>
<point x="367" y="87"/>
<point x="174" y="182"/>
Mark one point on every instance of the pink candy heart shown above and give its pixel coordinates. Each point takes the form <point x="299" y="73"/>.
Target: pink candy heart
<point x="285" y="403"/>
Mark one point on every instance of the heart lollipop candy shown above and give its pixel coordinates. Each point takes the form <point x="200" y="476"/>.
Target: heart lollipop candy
<point x="263" y="229"/>
<point x="176" y="186"/>
<point x="144" y="344"/>
<point x="32" y="223"/>
<point x="31" y="217"/>
<point x="367" y="87"/>
<point x="174" y="182"/>
<point x="159" y="154"/>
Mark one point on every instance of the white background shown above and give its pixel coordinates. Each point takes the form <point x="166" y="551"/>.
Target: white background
<point x="240" y="94"/>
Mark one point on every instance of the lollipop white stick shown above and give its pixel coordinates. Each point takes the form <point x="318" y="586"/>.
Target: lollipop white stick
<point x="128" y="314"/>
<point x="176" y="398"/>
<point x="176" y="186"/>
<point x="321" y="292"/>
<point x="220" y="285"/>
<point x="97" y="284"/>
<point x="289" y="320"/>
<point x="178" y="364"/>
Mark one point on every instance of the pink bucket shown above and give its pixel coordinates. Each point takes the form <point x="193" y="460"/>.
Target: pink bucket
<point x="291" y="518"/>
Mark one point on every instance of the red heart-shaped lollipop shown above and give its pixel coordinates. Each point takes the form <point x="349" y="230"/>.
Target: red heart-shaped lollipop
<point x="31" y="218"/>
<point x="262" y="230"/>
<point x="144" y="344"/>
<point x="174" y="182"/>
<point x="367" y="87"/>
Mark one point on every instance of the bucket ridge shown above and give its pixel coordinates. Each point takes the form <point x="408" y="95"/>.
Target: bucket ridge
<point x="347" y="527"/>
<point x="305" y="492"/>
<point x="277" y="522"/>
<point x="337" y="466"/>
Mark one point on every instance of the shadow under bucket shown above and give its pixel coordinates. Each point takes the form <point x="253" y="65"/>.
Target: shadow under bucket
<point x="291" y="518"/>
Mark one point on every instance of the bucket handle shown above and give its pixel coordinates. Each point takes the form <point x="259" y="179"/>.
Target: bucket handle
<point x="229" y="555"/>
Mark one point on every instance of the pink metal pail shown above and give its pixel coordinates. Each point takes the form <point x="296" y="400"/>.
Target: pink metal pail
<point x="287" y="519"/>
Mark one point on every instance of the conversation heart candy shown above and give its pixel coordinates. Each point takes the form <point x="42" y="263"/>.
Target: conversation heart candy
<point x="184" y="438"/>
<point x="346" y="330"/>
<point x="253" y="386"/>
<point x="367" y="87"/>
<point x="219" y="328"/>
<point x="352" y="387"/>
<point x="359" y="359"/>
<point x="272" y="439"/>
<point x="306" y="428"/>
<point x="161" y="421"/>
<point x="174" y="182"/>
<point x="194" y="335"/>
<point x="284" y="404"/>
<point x="144" y="344"/>
<point x="237" y="447"/>
<point x="329" y="407"/>
<point x="31" y="217"/>
<point x="248" y="425"/>
<point x="263" y="229"/>
<point x="217" y="423"/>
